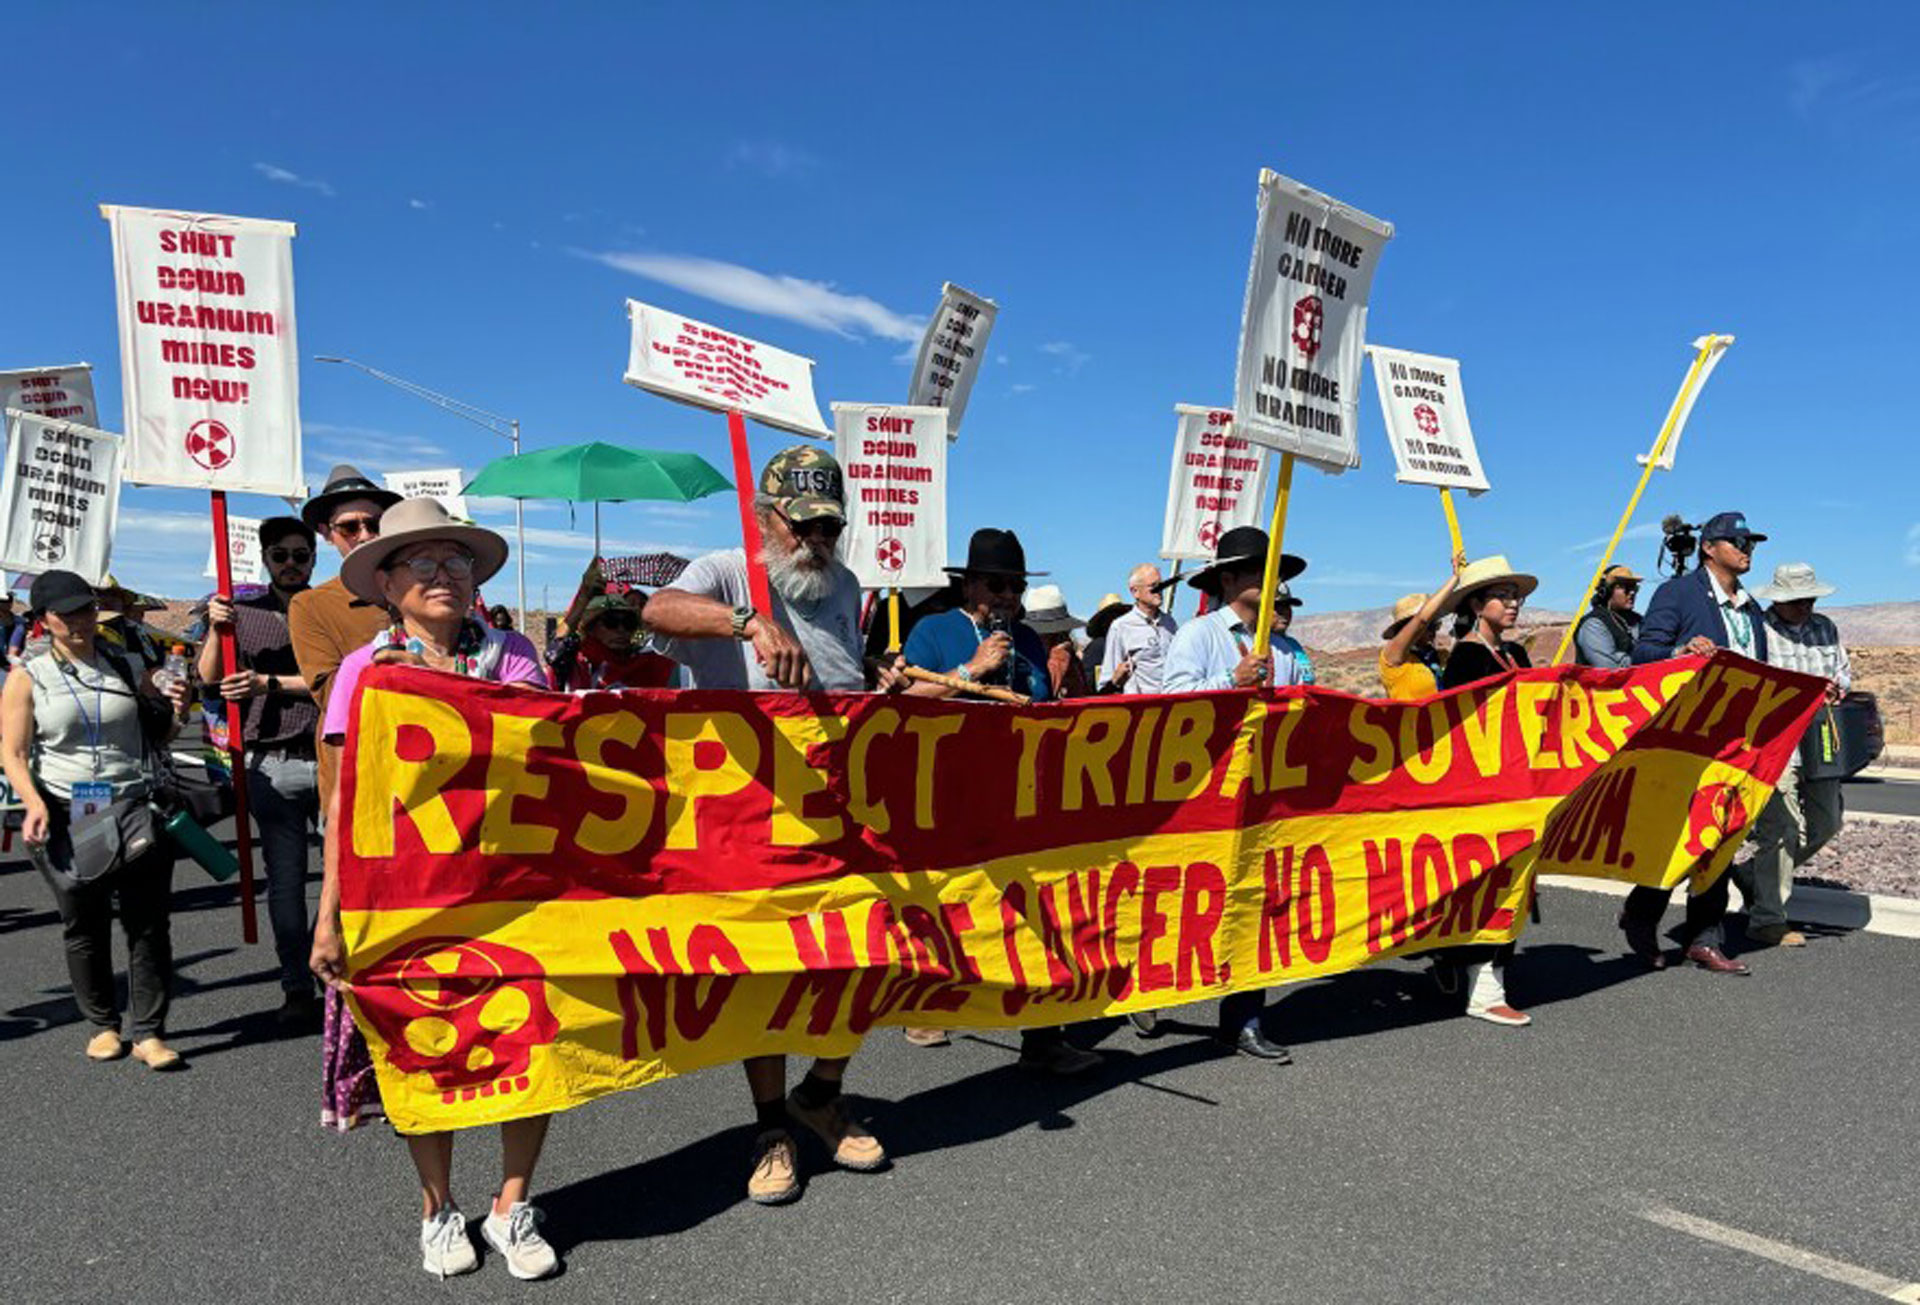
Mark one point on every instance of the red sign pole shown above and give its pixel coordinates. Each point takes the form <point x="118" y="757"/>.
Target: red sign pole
<point x="236" y="723"/>
<point x="749" y="522"/>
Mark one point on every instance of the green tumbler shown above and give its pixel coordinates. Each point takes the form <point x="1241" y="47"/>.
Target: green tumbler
<point x="203" y="847"/>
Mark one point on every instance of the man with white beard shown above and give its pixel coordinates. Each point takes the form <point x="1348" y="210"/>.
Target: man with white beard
<point x="811" y="641"/>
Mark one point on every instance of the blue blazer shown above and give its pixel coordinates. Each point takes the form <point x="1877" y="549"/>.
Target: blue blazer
<point x="1684" y="607"/>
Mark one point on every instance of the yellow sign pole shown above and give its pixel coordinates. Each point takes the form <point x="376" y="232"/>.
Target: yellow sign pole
<point x="893" y="620"/>
<point x="1276" y="532"/>
<point x="1453" y="519"/>
<point x="1653" y="459"/>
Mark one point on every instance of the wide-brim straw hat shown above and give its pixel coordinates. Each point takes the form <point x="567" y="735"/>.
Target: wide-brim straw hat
<point x="1792" y="582"/>
<point x="1487" y="572"/>
<point x="1047" y="611"/>
<point x="419" y="521"/>
<point x="1112" y="608"/>
<point x="1404" y="609"/>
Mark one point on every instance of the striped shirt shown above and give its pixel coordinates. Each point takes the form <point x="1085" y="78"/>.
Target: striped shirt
<point x="1811" y="649"/>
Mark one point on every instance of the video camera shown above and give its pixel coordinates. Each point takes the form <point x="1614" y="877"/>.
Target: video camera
<point x="1679" y="545"/>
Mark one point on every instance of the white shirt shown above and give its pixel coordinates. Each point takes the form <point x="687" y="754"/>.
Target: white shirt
<point x="1142" y="639"/>
<point x="1206" y="649"/>
<point x="1734" y="614"/>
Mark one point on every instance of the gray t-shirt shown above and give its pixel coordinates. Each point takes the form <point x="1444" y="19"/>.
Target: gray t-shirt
<point x="828" y="631"/>
<point x="86" y="725"/>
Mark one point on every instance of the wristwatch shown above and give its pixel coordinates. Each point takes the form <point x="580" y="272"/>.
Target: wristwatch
<point x="742" y="617"/>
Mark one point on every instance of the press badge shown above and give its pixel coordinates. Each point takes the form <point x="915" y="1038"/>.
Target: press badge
<point x="90" y="798"/>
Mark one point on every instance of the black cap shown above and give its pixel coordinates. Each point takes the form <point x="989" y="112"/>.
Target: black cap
<point x="61" y="592"/>
<point x="1728" y="525"/>
<point x="343" y="483"/>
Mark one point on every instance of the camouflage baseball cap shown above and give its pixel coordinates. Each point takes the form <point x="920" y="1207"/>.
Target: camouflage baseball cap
<point x="805" y="484"/>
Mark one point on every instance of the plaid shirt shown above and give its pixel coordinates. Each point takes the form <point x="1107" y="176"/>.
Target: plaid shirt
<point x="1811" y="649"/>
<point x="273" y="720"/>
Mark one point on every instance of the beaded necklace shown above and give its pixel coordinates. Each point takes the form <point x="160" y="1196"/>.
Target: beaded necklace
<point x="466" y="646"/>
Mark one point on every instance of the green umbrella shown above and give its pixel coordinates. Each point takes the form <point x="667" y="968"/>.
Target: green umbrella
<point x="600" y="473"/>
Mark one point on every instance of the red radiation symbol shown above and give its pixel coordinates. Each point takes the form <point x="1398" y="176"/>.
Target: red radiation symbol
<point x="892" y="554"/>
<point x="1427" y="420"/>
<point x="1715" y="815"/>
<point x="1209" y="533"/>
<point x="210" y="444"/>
<point x="1307" y="317"/>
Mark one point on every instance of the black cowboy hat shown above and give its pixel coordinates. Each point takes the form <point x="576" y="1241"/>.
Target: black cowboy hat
<point x="343" y="483"/>
<point x="1241" y="545"/>
<point x="1102" y="621"/>
<point x="993" y="552"/>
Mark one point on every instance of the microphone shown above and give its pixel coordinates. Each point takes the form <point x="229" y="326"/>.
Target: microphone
<point x="999" y="624"/>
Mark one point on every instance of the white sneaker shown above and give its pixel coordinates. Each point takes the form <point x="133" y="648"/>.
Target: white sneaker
<point x="526" y="1252"/>
<point x="445" y="1249"/>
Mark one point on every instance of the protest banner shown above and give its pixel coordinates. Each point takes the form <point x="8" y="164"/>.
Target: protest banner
<point x="59" y="496"/>
<point x="549" y="898"/>
<point x="951" y="351"/>
<point x="1426" y="415"/>
<point x="246" y="558"/>
<point x="442" y="485"/>
<point x="894" y="458"/>
<point x="1218" y="481"/>
<point x="58" y="393"/>
<point x="1706" y="356"/>
<point x="691" y="362"/>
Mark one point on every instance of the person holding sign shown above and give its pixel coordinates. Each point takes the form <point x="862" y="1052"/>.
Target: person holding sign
<point x="1410" y="666"/>
<point x="1215" y="651"/>
<point x="810" y="642"/>
<point x="74" y="748"/>
<point x="424" y="568"/>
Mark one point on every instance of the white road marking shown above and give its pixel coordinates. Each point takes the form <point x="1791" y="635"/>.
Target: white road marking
<point x="1851" y="1275"/>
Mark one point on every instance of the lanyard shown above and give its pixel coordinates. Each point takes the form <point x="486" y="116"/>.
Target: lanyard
<point x="1501" y="657"/>
<point x="92" y="728"/>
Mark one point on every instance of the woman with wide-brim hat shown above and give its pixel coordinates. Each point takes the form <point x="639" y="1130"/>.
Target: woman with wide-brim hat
<point x="1487" y="601"/>
<point x="424" y="568"/>
<point x="1410" y="666"/>
<point x="1048" y="617"/>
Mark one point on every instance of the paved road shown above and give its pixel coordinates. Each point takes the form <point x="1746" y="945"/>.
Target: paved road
<point x="1406" y="1156"/>
<point x="1897" y="797"/>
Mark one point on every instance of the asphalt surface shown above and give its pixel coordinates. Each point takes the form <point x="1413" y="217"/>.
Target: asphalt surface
<point x="1407" y="1155"/>
<point x="1890" y="797"/>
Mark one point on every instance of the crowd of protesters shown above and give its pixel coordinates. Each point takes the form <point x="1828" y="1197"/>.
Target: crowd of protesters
<point x="91" y="703"/>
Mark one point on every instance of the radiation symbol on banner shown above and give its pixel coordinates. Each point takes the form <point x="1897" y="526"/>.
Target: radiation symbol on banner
<point x="891" y="554"/>
<point x="1307" y="318"/>
<point x="49" y="548"/>
<point x="1209" y="534"/>
<point x="1427" y="420"/>
<point x="210" y="444"/>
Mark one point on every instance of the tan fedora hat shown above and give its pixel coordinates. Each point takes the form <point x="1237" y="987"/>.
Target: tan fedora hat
<point x="419" y="521"/>
<point x="1404" y="610"/>
<point x="1485" y="573"/>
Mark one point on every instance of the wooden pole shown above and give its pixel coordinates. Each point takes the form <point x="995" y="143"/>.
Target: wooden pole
<point x="1270" y="581"/>
<point x="893" y="620"/>
<point x="757" y="587"/>
<point x="1646" y="474"/>
<point x="1453" y="519"/>
<point x="236" y="723"/>
<point x="954" y="682"/>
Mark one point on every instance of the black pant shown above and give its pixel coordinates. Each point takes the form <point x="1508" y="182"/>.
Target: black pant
<point x="145" y="892"/>
<point x="1705" y="912"/>
<point x="1239" y="1009"/>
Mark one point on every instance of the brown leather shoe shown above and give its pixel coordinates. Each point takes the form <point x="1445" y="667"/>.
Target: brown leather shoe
<point x="1793" y="938"/>
<point x="106" y="1045"/>
<point x="155" y="1054"/>
<point x="774" y="1180"/>
<point x="1778" y="935"/>
<point x="853" y="1146"/>
<point x="1714" y="960"/>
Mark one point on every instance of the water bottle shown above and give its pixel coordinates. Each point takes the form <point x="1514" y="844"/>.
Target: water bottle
<point x="175" y="671"/>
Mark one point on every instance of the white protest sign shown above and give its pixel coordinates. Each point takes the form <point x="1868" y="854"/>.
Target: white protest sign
<point x="1305" y="324"/>
<point x="682" y="359"/>
<point x="1426" y="414"/>
<point x="894" y="458"/>
<point x="59" y="496"/>
<point x="208" y="360"/>
<point x="62" y="393"/>
<point x="951" y="353"/>
<point x="243" y="552"/>
<point x="1690" y="387"/>
<point x="1218" y="482"/>
<point x="443" y="485"/>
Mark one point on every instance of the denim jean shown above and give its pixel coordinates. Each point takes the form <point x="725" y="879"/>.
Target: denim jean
<point x="284" y="798"/>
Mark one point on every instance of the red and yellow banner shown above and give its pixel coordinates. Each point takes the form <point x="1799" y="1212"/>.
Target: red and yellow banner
<point x="548" y="898"/>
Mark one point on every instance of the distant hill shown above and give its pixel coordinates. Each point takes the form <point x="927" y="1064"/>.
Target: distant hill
<point x="1864" y="625"/>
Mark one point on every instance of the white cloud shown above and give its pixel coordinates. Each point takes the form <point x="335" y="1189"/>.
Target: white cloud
<point x="375" y="451"/>
<point x="1022" y="389"/>
<point x="274" y="173"/>
<point x="418" y="204"/>
<point x="143" y="521"/>
<point x="1913" y="544"/>
<point x="810" y="303"/>
<point x="771" y="158"/>
<point x="1647" y="530"/>
<point x="1361" y="580"/>
<point x="1838" y="92"/>
<point x="1071" y="357"/>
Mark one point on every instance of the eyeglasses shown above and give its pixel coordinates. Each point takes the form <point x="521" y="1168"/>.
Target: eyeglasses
<point x="999" y="584"/>
<point x="424" y="569"/>
<point x="1745" y="543"/>
<point x="281" y="556"/>
<point x="355" y="527"/>
<point x="826" y="528"/>
<point x="617" y="621"/>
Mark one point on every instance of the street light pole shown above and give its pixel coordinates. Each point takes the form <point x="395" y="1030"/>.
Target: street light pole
<point x="507" y="428"/>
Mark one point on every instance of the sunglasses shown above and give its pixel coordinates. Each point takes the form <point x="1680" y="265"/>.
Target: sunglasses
<point x="281" y="556"/>
<point x="1626" y="588"/>
<point x="824" y="528"/>
<point x="999" y="584"/>
<point x="617" y="621"/>
<point x="1745" y="543"/>
<point x="424" y="569"/>
<point x="355" y="527"/>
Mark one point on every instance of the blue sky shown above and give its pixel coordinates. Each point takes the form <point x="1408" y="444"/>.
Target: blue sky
<point x="1578" y="192"/>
